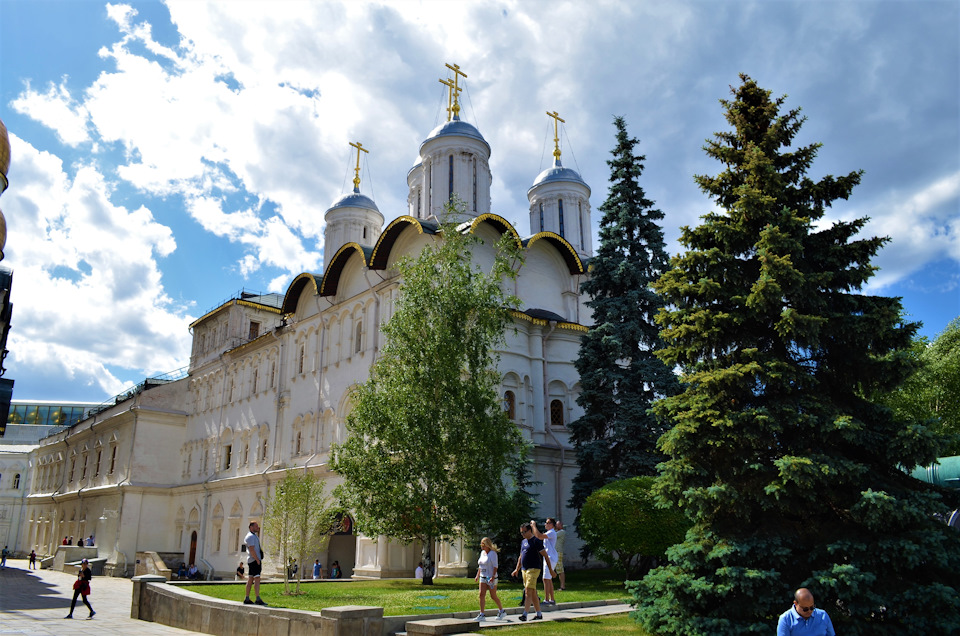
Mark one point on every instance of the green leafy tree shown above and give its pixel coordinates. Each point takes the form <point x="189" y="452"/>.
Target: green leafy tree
<point x="299" y="519"/>
<point x="428" y="441"/>
<point x="620" y="375"/>
<point x="932" y="394"/>
<point x="791" y="477"/>
<point x="627" y="527"/>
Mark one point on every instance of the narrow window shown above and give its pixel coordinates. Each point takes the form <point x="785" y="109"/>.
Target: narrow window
<point x="560" y="202"/>
<point x="419" y="199"/>
<point x="203" y="343"/>
<point x="254" y="330"/>
<point x="236" y="539"/>
<point x="227" y="456"/>
<point x="189" y="461"/>
<point x="73" y="465"/>
<point x="96" y="469"/>
<point x="583" y="245"/>
<point x="83" y="469"/>
<point x="556" y="413"/>
<point x="231" y="390"/>
<point x="429" y="186"/>
<point x="263" y="451"/>
<point x="218" y="538"/>
<point x="113" y="459"/>
<point x="206" y="460"/>
<point x="299" y="443"/>
<point x="541" y="216"/>
<point x="358" y="339"/>
<point x="256" y="380"/>
<point x="510" y="405"/>
<point x="475" y="184"/>
<point x="364" y="231"/>
<point x="300" y="355"/>
<point x="450" y="180"/>
<point x="273" y="372"/>
<point x="16" y="481"/>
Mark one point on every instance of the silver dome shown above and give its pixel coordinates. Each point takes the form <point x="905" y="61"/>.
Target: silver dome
<point x="354" y="200"/>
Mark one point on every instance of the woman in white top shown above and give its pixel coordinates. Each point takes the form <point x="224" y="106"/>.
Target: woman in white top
<point x="487" y="566"/>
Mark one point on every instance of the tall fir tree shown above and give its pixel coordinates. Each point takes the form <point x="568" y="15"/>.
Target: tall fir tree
<point x="791" y="476"/>
<point x="620" y="376"/>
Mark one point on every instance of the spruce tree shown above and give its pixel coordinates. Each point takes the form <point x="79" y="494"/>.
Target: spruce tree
<point x="791" y="476"/>
<point x="620" y="377"/>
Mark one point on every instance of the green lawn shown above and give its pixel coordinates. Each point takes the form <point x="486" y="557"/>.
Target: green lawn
<point x="409" y="596"/>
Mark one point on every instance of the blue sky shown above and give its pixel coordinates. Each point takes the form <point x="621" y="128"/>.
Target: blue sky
<point x="166" y="155"/>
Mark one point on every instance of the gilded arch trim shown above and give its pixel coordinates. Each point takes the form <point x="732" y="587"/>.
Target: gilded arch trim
<point x="569" y="254"/>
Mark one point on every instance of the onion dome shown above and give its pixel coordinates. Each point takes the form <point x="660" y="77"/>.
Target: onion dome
<point x="354" y="200"/>
<point x="455" y="128"/>
<point x="557" y="173"/>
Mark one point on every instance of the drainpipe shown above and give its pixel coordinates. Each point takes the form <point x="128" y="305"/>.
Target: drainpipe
<point x="546" y="420"/>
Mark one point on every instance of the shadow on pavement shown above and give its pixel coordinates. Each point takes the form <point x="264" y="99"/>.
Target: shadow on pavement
<point x="23" y="590"/>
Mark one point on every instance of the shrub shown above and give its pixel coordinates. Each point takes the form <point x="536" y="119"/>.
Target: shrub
<point x="624" y="526"/>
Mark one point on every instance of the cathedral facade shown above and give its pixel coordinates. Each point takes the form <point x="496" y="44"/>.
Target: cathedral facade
<point x="179" y="466"/>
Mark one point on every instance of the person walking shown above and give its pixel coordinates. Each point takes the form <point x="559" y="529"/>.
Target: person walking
<point x="33" y="560"/>
<point x="317" y="569"/>
<point x="254" y="563"/>
<point x="558" y="566"/>
<point x="81" y="587"/>
<point x="549" y="539"/>
<point x="531" y="553"/>
<point x="487" y="566"/>
<point x="3" y="557"/>
<point x="804" y="617"/>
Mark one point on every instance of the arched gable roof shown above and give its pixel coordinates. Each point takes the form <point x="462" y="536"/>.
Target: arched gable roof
<point x="569" y="254"/>
<point x="498" y="222"/>
<point x="390" y="234"/>
<point x="331" y="277"/>
<point x="296" y="288"/>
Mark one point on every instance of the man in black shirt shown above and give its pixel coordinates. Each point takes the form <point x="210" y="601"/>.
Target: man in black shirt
<point x="532" y="556"/>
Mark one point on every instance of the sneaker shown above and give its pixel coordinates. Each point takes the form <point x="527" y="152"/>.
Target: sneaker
<point x="259" y="601"/>
<point x="538" y="617"/>
<point x="247" y="601"/>
<point x="523" y="617"/>
<point x="91" y="614"/>
<point x="69" y="616"/>
<point x="502" y="615"/>
<point x="480" y="617"/>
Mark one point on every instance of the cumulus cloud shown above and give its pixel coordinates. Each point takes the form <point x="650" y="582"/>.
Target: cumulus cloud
<point x="88" y="271"/>
<point x="56" y="109"/>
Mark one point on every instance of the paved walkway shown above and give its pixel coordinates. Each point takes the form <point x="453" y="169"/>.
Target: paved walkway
<point x="35" y="602"/>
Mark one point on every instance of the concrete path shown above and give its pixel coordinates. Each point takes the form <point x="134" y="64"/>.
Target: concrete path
<point x="35" y="602"/>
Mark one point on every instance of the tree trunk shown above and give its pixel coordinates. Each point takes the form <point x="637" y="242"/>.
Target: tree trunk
<point x="427" y="561"/>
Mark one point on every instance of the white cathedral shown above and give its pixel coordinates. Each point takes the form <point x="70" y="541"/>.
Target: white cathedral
<point x="178" y="468"/>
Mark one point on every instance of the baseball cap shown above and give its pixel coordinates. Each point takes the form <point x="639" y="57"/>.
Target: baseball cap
<point x="84" y="561"/>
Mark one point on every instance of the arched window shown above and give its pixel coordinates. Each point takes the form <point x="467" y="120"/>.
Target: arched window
<point x="96" y="470"/>
<point x="556" y="413"/>
<point x="510" y="405"/>
<point x="560" y="203"/>
<point x="263" y="451"/>
<point x="541" y="216"/>
<point x="358" y="338"/>
<point x="113" y="458"/>
<point x="299" y="443"/>
<point x="16" y="481"/>
<point x="450" y="180"/>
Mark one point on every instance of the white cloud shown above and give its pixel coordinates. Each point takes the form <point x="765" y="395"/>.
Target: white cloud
<point x="57" y="110"/>
<point x="87" y="272"/>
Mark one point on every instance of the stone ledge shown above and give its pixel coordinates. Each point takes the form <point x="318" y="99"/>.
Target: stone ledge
<point x="441" y="626"/>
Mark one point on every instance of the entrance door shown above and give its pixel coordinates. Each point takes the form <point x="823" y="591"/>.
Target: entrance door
<point x="193" y="548"/>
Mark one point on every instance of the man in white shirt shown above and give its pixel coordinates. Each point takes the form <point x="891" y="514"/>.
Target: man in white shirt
<point x="549" y="539"/>
<point x="254" y="562"/>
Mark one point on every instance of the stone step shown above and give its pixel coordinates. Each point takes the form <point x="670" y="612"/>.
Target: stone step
<point x="442" y="626"/>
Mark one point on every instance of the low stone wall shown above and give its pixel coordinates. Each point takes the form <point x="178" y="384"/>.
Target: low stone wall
<point x="175" y="605"/>
<point x="71" y="554"/>
<point x="154" y="600"/>
<point x="152" y="563"/>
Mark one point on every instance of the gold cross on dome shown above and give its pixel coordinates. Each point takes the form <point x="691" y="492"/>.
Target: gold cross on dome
<point x="356" y="171"/>
<point x="456" y="88"/>
<point x="451" y="87"/>
<point x="556" y="137"/>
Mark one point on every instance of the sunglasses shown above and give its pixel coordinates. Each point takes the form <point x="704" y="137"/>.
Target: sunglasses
<point x="805" y="609"/>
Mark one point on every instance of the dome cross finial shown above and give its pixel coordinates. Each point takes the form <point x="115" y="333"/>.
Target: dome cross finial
<point x="556" y="136"/>
<point x="453" y="93"/>
<point x="356" y="171"/>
